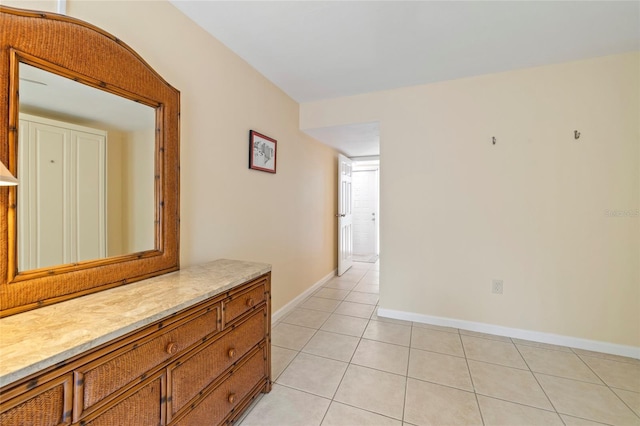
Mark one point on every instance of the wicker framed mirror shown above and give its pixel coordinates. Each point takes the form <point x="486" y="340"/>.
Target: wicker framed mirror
<point x="70" y="50"/>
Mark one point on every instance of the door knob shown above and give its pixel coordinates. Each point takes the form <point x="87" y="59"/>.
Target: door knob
<point x="340" y="215"/>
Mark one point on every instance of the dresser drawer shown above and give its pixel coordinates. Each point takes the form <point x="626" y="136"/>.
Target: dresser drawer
<point x="217" y="405"/>
<point x="196" y="371"/>
<point x="102" y="378"/>
<point x="48" y="404"/>
<point x="141" y="407"/>
<point x="241" y="302"/>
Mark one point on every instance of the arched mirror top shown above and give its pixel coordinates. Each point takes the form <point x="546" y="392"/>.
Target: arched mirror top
<point x="42" y="56"/>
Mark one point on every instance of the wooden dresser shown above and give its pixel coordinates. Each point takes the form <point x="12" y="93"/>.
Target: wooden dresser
<point x="199" y="364"/>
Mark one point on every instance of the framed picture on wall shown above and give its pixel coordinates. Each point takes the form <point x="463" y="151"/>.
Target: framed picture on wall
<point x="262" y="152"/>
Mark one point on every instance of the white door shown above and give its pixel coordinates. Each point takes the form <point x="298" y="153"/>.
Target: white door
<point x="88" y="212"/>
<point x="49" y="243"/>
<point x="365" y="206"/>
<point x="345" y="217"/>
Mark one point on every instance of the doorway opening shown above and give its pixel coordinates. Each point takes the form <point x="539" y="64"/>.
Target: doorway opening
<point x="366" y="209"/>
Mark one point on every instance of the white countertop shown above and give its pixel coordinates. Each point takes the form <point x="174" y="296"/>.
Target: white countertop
<point x="34" y="340"/>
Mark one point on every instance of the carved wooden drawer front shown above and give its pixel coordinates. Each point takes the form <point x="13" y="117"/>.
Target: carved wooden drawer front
<point x="103" y="377"/>
<point x="49" y="404"/>
<point x="216" y="406"/>
<point x="197" y="370"/>
<point x="241" y="302"/>
<point x="144" y="404"/>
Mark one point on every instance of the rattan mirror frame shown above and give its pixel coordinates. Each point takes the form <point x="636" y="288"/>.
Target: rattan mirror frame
<point x="81" y="51"/>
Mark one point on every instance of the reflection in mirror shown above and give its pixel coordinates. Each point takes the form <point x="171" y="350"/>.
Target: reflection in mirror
<point x="86" y="172"/>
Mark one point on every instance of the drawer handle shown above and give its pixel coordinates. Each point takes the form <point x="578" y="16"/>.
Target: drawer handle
<point x="231" y="398"/>
<point x="172" y="348"/>
<point x="231" y="353"/>
<point x="250" y="302"/>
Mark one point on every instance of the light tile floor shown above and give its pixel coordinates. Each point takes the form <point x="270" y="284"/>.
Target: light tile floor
<point x="335" y="362"/>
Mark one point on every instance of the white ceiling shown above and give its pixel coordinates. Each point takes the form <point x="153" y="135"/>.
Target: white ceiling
<point x="354" y="140"/>
<point x="325" y="49"/>
<point x="50" y="95"/>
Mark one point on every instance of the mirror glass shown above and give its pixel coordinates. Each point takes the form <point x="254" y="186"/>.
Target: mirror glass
<point x="86" y="171"/>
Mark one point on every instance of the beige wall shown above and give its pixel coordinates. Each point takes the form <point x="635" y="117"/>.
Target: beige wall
<point x="227" y="210"/>
<point x="139" y="220"/>
<point x="531" y="210"/>
<point x="115" y="194"/>
<point x="130" y="191"/>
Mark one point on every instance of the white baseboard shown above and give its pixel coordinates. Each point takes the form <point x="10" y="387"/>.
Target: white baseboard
<point x="536" y="336"/>
<point x="280" y="313"/>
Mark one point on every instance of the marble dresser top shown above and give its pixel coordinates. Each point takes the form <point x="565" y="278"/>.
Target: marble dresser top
<point x="34" y="340"/>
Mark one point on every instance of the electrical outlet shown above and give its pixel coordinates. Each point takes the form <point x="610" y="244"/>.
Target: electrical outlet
<point x="497" y="286"/>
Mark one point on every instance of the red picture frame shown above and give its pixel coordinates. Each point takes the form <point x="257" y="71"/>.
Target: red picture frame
<point x="262" y="152"/>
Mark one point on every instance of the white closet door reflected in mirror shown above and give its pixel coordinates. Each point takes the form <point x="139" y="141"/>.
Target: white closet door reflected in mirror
<point x="62" y="193"/>
<point x="86" y="172"/>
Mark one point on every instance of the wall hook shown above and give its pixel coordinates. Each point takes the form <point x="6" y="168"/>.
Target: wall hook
<point x="576" y="134"/>
<point x="493" y="140"/>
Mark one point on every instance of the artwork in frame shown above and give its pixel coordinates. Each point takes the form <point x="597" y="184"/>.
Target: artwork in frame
<point x="262" y="152"/>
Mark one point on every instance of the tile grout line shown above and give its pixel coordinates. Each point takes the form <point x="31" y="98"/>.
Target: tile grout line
<point x="406" y="379"/>
<point x="608" y="357"/>
<point x="607" y="384"/>
<point x="473" y="385"/>
<point x="368" y="411"/>
<point x="539" y="384"/>
<point x="603" y="382"/>
<point x="299" y="352"/>
<point x="348" y="363"/>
